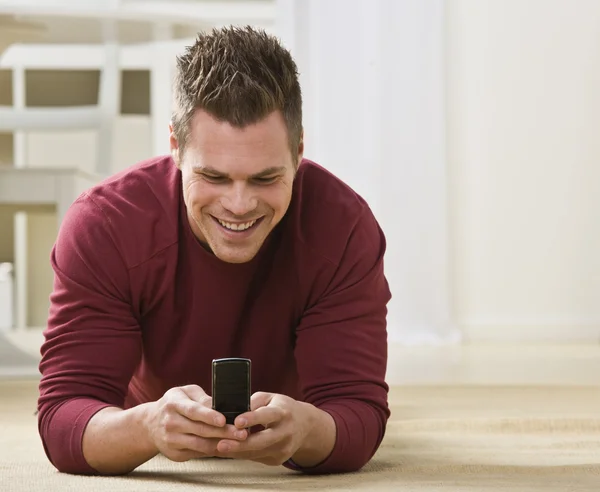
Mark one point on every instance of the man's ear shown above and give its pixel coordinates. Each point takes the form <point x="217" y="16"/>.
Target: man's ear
<point x="300" y="149"/>
<point x="174" y="146"/>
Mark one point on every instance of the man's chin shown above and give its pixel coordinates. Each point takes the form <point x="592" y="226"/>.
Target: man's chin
<point x="236" y="251"/>
<point x="234" y="257"/>
<point x="235" y="254"/>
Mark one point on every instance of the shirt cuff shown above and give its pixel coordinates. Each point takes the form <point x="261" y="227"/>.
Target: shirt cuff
<point x="63" y="440"/>
<point x="359" y="431"/>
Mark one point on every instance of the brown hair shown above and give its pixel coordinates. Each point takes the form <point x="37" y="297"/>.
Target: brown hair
<point x="238" y="75"/>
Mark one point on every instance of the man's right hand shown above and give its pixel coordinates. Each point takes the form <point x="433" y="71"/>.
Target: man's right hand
<point x="183" y="425"/>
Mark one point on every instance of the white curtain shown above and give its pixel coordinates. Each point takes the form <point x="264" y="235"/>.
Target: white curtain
<point x="372" y="73"/>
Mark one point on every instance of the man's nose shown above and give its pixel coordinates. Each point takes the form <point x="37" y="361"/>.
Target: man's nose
<point x="239" y="199"/>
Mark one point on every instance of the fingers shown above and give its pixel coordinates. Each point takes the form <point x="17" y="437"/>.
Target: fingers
<point x="279" y="439"/>
<point x="193" y="403"/>
<point x="260" y="399"/>
<point x="194" y="444"/>
<point x="184" y="426"/>
<point x="270" y="447"/>
<point x="227" y="432"/>
<point x="261" y="441"/>
<point x="175" y="423"/>
<point x="183" y="447"/>
<point x="265" y="416"/>
<point x="196" y="393"/>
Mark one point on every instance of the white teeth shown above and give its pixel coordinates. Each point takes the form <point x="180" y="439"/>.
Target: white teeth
<point x="236" y="227"/>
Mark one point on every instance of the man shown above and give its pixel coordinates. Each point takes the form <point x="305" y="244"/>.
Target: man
<point x="232" y="246"/>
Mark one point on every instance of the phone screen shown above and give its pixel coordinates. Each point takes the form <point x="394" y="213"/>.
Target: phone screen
<point x="231" y="386"/>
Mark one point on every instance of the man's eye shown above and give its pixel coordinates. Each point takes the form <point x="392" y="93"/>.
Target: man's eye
<point x="264" y="181"/>
<point x="213" y="179"/>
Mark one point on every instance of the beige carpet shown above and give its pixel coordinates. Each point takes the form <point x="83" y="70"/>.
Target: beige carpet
<point x="439" y="439"/>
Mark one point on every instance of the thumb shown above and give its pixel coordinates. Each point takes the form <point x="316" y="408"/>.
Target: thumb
<point x="260" y="399"/>
<point x="196" y="393"/>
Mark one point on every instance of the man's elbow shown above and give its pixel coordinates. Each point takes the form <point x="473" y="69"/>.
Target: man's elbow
<point x="69" y="466"/>
<point x="361" y="428"/>
<point x="344" y="463"/>
<point x="351" y="464"/>
<point x="356" y="462"/>
<point x="64" y="464"/>
<point x="369" y="445"/>
<point x="58" y="451"/>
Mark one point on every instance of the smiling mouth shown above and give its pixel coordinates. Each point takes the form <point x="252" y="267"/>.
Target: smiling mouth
<point x="238" y="226"/>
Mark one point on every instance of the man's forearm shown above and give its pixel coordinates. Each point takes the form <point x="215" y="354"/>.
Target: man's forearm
<point x="319" y="442"/>
<point x="116" y="441"/>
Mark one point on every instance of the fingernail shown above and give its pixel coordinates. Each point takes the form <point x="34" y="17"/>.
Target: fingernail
<point x="217" y="421"/>
<point x="242" y="423"/>
<point x="225" y="448"/>
<point x="240" y="434"/>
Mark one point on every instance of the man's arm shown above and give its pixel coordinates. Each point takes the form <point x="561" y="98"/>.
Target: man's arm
<point x="92" y="341"/>
<point x="319" y="442"/>
<point x="181" y="425"/>
<point x="341" y="352"/>
<point x="117" y="441"/>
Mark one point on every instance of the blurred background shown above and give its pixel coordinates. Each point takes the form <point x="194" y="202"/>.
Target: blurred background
<point x="470" y="126"/>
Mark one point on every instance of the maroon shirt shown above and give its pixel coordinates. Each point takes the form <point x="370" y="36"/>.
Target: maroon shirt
<point x="139" y="306"/>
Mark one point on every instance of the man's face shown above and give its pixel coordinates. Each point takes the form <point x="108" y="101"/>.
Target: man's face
<point x="237" y="183"/>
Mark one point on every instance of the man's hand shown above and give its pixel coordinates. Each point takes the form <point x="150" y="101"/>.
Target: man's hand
<point x="183" y="425"/>
<point x="293" y="429"/>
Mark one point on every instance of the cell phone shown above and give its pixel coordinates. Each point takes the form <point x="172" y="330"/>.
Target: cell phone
<point x="231" y="386"/>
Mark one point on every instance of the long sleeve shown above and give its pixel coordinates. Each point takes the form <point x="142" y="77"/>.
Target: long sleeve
<point x="341" y="350"/>
<point x="92" y="341"/>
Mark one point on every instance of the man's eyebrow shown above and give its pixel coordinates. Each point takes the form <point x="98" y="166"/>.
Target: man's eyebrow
<point x="265" y="172"/>
<point x="207" y="170"/>
<point x="269" y="172"/>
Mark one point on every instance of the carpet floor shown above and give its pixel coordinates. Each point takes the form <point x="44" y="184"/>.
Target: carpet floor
<point x="448" y="438"/>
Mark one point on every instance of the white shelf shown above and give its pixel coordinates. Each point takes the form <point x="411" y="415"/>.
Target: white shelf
<point x="50" y="119"/>
<point x="37" y="186"/>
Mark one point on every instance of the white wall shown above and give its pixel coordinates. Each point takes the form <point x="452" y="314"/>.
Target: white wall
<point x="373" y="85"/>
<point x="523" y="122"/>
<point x="498" y="105"/>
<point x="495" y="106"/>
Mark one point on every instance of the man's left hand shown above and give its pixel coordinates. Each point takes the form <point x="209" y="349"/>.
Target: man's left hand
<point x="290" y="427"/>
